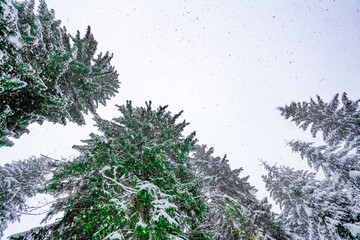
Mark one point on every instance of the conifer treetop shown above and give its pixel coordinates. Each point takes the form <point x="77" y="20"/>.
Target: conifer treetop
<point x="45" y="73"/>
<point x="337" y="123"/>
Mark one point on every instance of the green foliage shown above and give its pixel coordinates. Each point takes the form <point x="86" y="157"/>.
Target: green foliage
<point x="43" y="76"/>
<point x="132" y="181"/>
<point x="136" y="180"/>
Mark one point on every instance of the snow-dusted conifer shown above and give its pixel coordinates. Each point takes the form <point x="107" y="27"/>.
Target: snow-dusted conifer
<point x="42" y="75"/>
<point x="339" y="124"/>
<point x="136" y="180"/>
<point x="133" y="181"/>
<point x="311" y="209"/>
<point x="235" y="212"/>
<point x="19" y="181"/>
<point x="335" y="200"/>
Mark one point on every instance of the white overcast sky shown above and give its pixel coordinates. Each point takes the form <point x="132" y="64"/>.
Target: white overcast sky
<point x="227" y="64"/>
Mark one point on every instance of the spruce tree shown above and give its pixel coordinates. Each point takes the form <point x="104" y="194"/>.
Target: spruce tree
<point x="334" y="201"/>
<point x="133" y="181"/>
<point x="338" y="124"/>
<point x="311" y="209"/>
<point x="227" y="215"/>
<point x="19" y="181"/>
<point x="142" y="179"/>
<point x="226" y="192"/>
<point x="43" y="76"/>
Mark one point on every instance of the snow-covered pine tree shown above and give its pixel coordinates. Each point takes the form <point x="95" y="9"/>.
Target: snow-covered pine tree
<point x="133" y="181"/>
<point x="225" y="192"/>
<point x="267" y="221"/>
<point x="339" y="206"/>
<point x="311" y="209"/>
<point x="337" y="124"/>
<point x="43" y="76"/>
<point x="341" y="132"/>
<point x="19" y="181"/>
<point x="290" y="190"/>
<point x="227" y="218"/>
<point x="137" y="181"/>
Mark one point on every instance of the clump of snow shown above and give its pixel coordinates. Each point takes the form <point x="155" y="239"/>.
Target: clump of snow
<point x="114" y="181"/>
<point x="163" y="213"/>
<point x="149" y="186"/>
<point x="104" y="139"/>
<point x="14" y="40"/>
<point x="115" y="235"/>
<point x="117" y="202"/>
<point x="107" y="167"/>
<point x="354" y="174"/>
<point x="253" y="191"/>
<point x="308" y="211"/>
<point x="353" y="228"/>
<point x="141" y="223"/>
<point x="9" y="12"/>
<point x="164" y="203"/>
<point x="161" y="205"/>
<point x="176" y="237"/>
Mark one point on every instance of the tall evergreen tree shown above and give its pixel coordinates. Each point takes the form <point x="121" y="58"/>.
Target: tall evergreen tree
<point x="137" y="180"/>
<point x="338" y="208"/>
<point x="19" y="181"/>
<point x="311" y="209"/>
<point x="132" y="182"/>
<point x="223" y="187"/>
<point x="337" y="123"/>
<point x="43" y="76"/>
